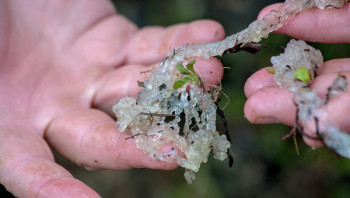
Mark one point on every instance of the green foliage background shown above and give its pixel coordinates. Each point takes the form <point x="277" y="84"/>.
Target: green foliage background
<point x="265" y="166"/>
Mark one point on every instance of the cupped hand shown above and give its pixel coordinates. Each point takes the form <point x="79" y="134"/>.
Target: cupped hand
<point x="63" y="64"/>
<point x="267" y="103"/>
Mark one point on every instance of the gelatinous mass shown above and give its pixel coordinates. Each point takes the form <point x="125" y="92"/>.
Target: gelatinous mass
<point x="186" y="116"/>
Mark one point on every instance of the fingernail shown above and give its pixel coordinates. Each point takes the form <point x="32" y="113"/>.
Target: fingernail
<point x="267" y="120"/>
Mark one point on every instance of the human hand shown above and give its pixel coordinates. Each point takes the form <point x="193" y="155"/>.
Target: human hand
<point x="63" y="64"/>
<point x="267" y="103"/>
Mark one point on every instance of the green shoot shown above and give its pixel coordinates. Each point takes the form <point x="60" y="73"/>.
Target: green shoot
<point x="270" y="70"/>
<point x="302" y="74"/>
<point x="191" y="75"/>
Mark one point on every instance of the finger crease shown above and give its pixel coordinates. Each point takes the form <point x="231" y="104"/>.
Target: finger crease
<point x="93" y="25"/>
<point x="347" y="10"/>
<point x="81" y="139"/>
<point x="47" y="182"/>
<point x="317" y="18"/>
<point x="25" y="160"/>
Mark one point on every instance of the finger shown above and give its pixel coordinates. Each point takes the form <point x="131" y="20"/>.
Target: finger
<point x="102" y="44"/>
<point x="316" y="25"/>
<point x="336" y="108"/>
<point x="259" y="80"/>
<point x="210" y="71"/>
<point x="122" y="82"/>
<point x="90" y="139"/>
<point x="151" y="44"/>
<point x="262" y="79"/>
<point x="274" y="105"/>
<point x="335" y="66"/>
<point x="27" y="167"/>
<point x="119" y="83"/>
<point x="270" y="105"/>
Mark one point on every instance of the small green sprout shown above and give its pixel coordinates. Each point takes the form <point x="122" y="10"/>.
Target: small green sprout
<point x="302" y="74"/>
<point x="270" y="70"/>
<point x="191" y="75"/>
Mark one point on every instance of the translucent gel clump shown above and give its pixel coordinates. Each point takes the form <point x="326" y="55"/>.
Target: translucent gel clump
<point x="330" y="3"/>
<point x="298" y="54"/>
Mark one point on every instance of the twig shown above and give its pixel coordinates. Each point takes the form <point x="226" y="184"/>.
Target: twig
<point x="134" y="136"/>
<point x="289" y="134"/>
<point x="227" y="133"/>
<point x="296" y="143"/>
<point x="248" y="47"/>
<point x="224" y="120"/>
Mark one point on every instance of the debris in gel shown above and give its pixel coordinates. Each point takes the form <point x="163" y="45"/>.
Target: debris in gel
<point x="153" y="118"/>
<point x="297" y="54"/>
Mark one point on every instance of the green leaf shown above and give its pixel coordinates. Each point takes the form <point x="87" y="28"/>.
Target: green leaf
<point x="190" y="66"/>
<point x="191" y="76"/>
<point x="181" y="69"/>
<point x="270" y="70"/>
<point x="179" y="83"/>
<point x="188" y="79"/>
<point x="302" y="74"/>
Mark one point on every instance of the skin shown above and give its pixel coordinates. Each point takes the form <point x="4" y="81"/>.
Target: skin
<point x="267" y="103"/>
<point x="63" y="64"/>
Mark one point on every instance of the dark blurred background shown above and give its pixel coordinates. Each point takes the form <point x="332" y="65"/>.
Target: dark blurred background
<point x="265" y="165"/>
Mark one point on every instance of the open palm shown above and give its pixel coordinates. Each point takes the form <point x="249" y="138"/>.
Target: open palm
<point x="61" y="63"/>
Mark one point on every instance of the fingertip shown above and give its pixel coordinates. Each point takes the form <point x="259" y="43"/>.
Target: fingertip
<point x="149" y="163"/>
<point x="151" y="44"/>
<point x="172" y="150"/>
<point x="334" y="66"/>
<point x="165" y="161"/>
<point x="270" y="105"/>
<point x="209" y="70"/>
<point x="268" y="9"/>
<point x="207" y="31"/>
<point x="312" y="143"/>
<point x="309" y="135"/>
<point x="316" y="25"/>
<point x="200" y="31"/>
<point x="252" y="109"/>
<point x="259" y="80"/>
